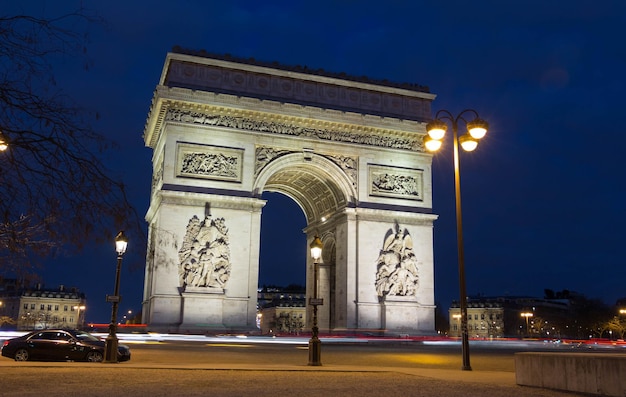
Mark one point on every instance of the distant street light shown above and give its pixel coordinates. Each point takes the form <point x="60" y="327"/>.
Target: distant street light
<point x="3" y="143"/>
<point x="457" y="317"/>
<point x="110" y="349"/>
<point x="476" y="129"/>
<point x="527" y="315"/>
<point x="78" y="322"/>
<point x="315" y="345"/>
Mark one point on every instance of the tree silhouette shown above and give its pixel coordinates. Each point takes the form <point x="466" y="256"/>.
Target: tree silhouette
<point x="54" y="190"/>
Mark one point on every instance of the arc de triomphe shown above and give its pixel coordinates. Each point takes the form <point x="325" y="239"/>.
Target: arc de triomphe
<point x="348" y="151"/>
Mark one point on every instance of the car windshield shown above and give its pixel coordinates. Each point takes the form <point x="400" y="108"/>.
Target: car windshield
<point x="85" y="336"/>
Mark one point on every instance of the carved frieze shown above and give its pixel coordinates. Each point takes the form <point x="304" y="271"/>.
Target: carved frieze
<point x="209" y="162"/>
<point x="397" y="267"/>
<point x="338" y="134"/>
<point x="396" y="182"/>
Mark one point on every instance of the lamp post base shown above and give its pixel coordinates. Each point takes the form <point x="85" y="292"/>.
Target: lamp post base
<point x="110" y="349"/>
<point x="465" y="352"/>
<point x="315" y="351"/>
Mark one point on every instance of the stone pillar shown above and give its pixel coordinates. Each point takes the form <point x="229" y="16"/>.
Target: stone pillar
<point x="186" y="294"/>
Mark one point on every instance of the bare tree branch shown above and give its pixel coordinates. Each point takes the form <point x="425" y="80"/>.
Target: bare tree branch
<point x="54" y="190"/>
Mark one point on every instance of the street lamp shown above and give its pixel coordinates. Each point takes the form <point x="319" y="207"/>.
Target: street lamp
<point x="476" y="129"/>
<point x="527" y="315"/>
<point x="315" y="345"/>
<point x="110" y="349"/>
<point x="78" y="322"/>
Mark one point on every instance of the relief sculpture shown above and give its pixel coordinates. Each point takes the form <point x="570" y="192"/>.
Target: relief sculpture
<point x="401" y="185"/>
<point x="209" y="164"/>
<point x="397" y="272"/>
<point x="264" y="155"/>
<point x="205" y="254"/>
<point x="347" y="165"/>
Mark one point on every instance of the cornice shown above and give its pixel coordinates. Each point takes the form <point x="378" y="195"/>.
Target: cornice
<point x="217" y="201"/>
<point x="184" y="106"/>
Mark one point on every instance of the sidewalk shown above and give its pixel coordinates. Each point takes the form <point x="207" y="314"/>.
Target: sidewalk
<point x="137" y="379"/>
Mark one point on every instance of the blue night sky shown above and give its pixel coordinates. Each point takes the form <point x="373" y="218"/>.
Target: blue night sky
<point x="543" y="195"/>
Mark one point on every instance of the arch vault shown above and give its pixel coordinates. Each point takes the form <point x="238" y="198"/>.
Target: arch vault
<point x="350" y="154"/>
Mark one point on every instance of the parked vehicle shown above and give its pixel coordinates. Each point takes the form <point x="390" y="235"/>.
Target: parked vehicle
<point x="59" y="345"/>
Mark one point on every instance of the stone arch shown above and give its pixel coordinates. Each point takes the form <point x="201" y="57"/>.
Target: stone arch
<point x="322" y="190"/>
<point x="317" y="184"/>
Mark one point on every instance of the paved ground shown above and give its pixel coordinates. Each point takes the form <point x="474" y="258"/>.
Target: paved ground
<point x="155" y="380"/>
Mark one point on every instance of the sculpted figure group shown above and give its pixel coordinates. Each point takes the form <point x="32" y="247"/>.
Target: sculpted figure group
<point x="397" y="272"/>
<point x="205" y="254"/>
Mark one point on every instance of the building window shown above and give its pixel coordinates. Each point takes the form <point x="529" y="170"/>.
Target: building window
<point x="42" y="307"/>
<point x="25" y="306"/>
<point x="32" y="306"/>
<point x="482" y="316"/>
<point x="56" y="308"/>
<point x="49" y="307"/>
<point x="475" y="316"/>
<point x="65" y="308"/>
<point x="72" y="308"/>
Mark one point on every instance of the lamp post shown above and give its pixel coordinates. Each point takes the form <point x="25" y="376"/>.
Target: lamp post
<point x="78" y="322"/>
<point x="110" y="348"/>
<point x="476" y="129"/>
<point x="315" y="345"/>
<point x="527" y="315"/>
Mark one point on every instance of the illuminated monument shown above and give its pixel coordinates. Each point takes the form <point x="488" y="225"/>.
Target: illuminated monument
<point x="348" y="151"/>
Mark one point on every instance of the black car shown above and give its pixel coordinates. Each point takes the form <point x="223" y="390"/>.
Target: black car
<point x="59" y="345"/>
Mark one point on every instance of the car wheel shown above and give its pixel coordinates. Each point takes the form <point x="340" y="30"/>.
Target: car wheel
<point x="94" y="356"/>
<point x="21" y="355"/>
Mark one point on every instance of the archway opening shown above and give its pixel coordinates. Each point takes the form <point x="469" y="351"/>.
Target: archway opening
<point x="283" y="244"/>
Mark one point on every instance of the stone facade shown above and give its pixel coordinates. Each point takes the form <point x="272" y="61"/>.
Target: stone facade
<point x="483" y="321"/>
<point x="51" y="308"/>
<point x="349" y="153"/>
